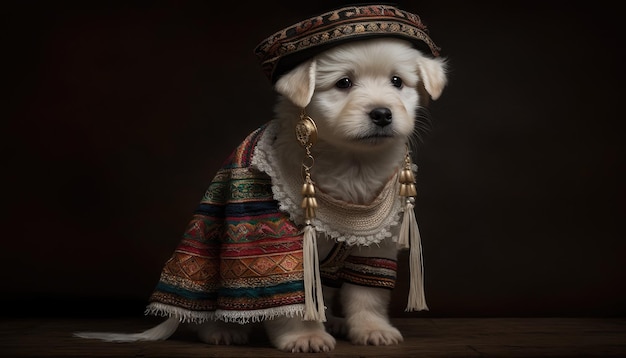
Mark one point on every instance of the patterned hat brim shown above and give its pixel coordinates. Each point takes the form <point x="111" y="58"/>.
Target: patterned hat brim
<point x="289" y="47"/>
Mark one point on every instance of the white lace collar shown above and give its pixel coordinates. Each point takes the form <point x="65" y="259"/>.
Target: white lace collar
<point x="341" y="221"/>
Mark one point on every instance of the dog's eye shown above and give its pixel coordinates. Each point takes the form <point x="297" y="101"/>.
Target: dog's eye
<point x="344" y="83"/>
<point x="396" y="81"/>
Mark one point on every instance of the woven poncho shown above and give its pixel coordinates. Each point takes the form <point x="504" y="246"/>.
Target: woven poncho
<point x="240" y="258"/>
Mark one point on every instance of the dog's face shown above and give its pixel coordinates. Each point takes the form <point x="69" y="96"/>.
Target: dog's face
<point x="364" y="95"/>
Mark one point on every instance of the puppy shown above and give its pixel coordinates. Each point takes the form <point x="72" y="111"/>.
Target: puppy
<point x="364" y="98"/>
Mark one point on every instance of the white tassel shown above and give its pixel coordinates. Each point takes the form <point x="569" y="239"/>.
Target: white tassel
<point x="410" y="238"/>
<point x="403" y="237"/>
<point x="314" y="309"/>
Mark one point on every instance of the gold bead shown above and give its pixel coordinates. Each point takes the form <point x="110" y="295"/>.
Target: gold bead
<point x="411" y="190"/>
<point x="308" y="189"/>
<point x="403" y="178"/>
<point x="403" y="190"/>
<point x="409" y="176"/>
<point x="310" y="213"/>
<point x="306" y="131"/>
<point x="406" y="176"/>
<point x="308" y="202"/>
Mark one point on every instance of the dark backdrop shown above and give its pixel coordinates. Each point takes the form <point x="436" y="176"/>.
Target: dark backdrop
<point x="117" y="115"/>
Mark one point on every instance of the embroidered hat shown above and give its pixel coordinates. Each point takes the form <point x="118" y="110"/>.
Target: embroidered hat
<point x="290" y="46"/>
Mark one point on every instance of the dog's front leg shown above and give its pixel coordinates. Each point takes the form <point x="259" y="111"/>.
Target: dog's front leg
<point x="365" y="309"/>
<point x="292" y="334"/>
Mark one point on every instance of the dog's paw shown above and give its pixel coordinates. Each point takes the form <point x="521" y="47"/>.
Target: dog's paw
<point x="224" y="333"/>
<point x="292" y="334"/>
<point x="314" y="342"/>
<point x="336" y="326"/>
<point x="375" y="336"/>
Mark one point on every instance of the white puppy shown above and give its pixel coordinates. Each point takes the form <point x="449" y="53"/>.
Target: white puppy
<point x="364" y="97"/>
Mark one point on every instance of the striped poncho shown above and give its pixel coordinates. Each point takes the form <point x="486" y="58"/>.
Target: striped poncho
<point x="240" y="258"/>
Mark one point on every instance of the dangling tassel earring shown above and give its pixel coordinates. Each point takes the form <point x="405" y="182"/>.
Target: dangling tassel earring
<point x="314" y="310"/>
<point x="410" y="237"/>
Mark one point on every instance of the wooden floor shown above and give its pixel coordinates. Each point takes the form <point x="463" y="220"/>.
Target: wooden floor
<point x="424" y="337"/>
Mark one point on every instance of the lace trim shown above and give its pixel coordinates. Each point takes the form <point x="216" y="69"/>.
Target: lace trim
<point x="341" y="221"/>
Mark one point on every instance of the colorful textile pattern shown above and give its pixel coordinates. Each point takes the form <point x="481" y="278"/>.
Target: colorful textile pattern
<point x="340" y="266"/>
<point x="287" y="48"/>
<point x="240" y="258"/>
<point x="238" y="253"/>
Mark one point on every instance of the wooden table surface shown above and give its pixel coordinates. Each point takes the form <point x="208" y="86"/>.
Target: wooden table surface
<point x="424" y="337"/>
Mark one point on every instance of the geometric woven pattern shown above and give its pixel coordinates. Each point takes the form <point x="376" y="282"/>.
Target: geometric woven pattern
<point x="341" y="266"/>
<point x="292" y="45"/>
<point x="239" y="251"/>
<point x="240" y="257"/>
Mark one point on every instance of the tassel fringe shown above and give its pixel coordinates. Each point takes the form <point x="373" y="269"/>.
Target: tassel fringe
<point x="314" y="309"/>
<point x="410" y="237"/>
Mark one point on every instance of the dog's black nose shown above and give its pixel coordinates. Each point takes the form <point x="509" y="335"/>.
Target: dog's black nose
<point x="381" y="116"/>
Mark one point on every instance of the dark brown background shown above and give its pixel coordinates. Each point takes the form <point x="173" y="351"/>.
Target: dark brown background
<point x="118" y="114"/>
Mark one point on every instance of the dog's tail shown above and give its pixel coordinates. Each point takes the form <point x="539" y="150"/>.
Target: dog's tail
<point x="157" y="333"/>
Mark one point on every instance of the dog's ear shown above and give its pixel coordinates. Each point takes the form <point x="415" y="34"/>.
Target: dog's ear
<point x="432" y="72"/>
<point x="298" y="84"/>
